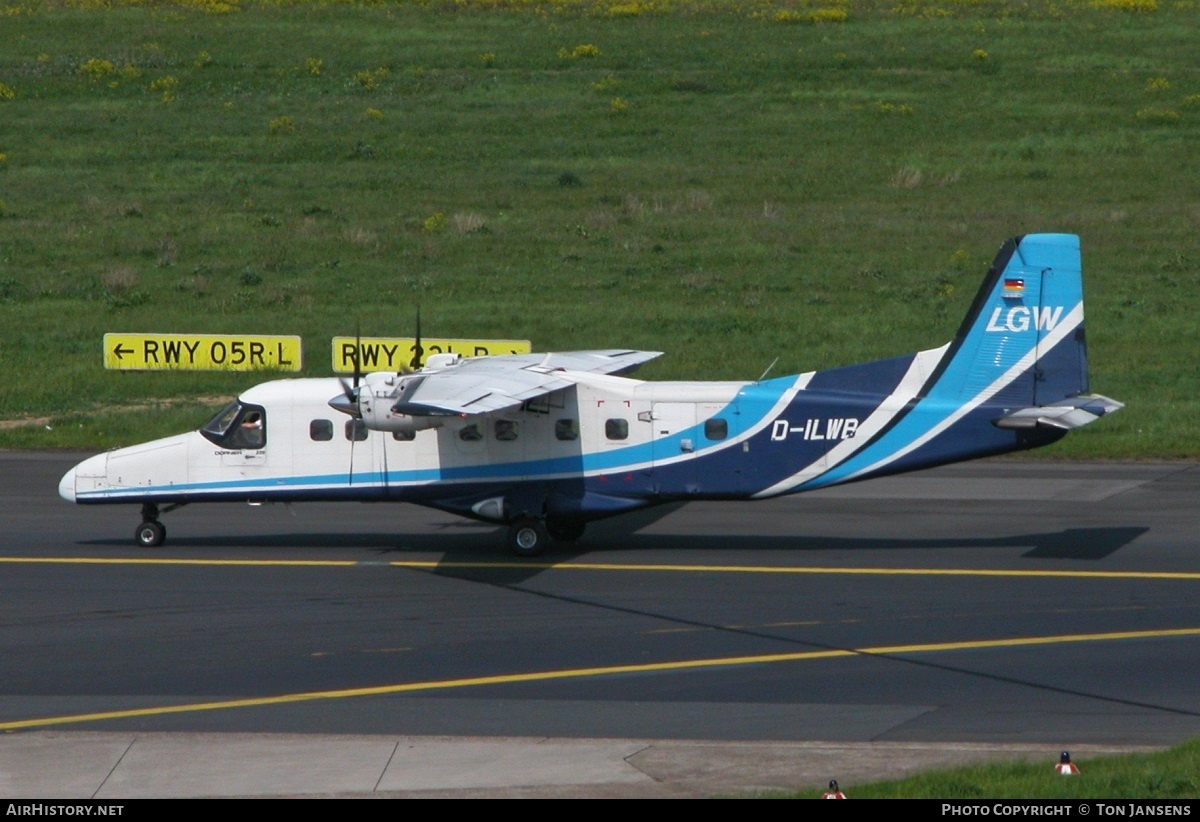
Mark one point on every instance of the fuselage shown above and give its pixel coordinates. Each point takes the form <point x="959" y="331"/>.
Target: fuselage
<point x="611" y="429"/>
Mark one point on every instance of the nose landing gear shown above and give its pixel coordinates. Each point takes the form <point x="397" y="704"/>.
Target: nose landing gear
<point x="151" y="533"/>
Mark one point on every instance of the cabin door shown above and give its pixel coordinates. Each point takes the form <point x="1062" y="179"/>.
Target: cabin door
<point x="673" y="445"/>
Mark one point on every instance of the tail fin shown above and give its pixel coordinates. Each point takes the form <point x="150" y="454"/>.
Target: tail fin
<point x="1022" y="342"/>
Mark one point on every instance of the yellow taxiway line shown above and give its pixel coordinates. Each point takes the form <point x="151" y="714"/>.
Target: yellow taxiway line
<point x="582" y="673"/>
<point x="434" y="565"/>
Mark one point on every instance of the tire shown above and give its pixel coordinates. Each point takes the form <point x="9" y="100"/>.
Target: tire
<point x="527" y="537"/>
<point x="565" y="530"/>
<point x="150" y="534"/>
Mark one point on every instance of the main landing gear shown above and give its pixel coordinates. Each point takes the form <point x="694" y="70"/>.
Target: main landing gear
<point x="151" y="533"/>
<point x="529" y="536"/>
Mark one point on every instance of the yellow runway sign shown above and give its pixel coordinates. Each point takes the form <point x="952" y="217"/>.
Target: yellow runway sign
<point x="392" y="353"/>
<point x="201" y="352"/>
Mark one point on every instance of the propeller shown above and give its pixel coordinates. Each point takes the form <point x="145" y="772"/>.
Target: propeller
<point x="418" y="351"/>
<point x="352" y="397"/>
<point x="348" y="402"/>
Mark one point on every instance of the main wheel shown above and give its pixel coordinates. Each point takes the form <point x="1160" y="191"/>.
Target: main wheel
<point x="527" y="537"/>
<point x="565" y="530"/>
<point x="150" y="534"/>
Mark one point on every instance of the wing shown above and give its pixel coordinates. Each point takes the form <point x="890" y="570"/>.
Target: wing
<point x="485" y="384"/>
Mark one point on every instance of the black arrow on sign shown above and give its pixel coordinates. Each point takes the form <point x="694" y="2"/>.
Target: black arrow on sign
<point x="121" y="352"/>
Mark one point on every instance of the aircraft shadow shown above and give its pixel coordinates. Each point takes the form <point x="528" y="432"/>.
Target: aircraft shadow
<point x="474" y="540"/>
<point x="1070" y="543"/>
<point x="475" y="551"/>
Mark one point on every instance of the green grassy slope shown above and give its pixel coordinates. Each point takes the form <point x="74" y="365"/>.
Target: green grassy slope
<point x="728" y="182"/>
<point x="1160" y="776"/>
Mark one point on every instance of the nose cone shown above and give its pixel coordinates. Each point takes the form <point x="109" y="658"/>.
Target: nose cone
<point x="66" y="486"/>
<point x="345" y="404"/>
<point x="86" y="477"/>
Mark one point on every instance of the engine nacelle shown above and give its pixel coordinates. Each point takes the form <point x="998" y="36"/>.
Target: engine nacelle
<point x="372" y="401"/>
<point x="377" y="414"/>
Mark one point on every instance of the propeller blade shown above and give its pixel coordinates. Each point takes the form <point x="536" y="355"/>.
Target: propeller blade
<point x="348" y="402"/>
<point x="418" y="351"/>
<point x="357" y="355"/>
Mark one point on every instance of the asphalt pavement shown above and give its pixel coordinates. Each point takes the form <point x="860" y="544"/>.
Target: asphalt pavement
<point x="114" y="766"/>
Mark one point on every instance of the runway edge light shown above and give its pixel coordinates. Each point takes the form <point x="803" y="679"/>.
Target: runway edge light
<point x="1065" y="766"/>
<point x="834" y="791"/>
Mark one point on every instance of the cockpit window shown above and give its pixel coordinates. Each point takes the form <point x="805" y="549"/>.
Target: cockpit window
<point x="238" y="425"/>
<point x="219" y="425"/>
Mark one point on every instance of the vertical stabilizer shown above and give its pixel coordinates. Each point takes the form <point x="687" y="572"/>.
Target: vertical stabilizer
<point x="1022" y="342"/>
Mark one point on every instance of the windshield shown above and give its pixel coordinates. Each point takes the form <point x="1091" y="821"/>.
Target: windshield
<point x="238" y="425"/>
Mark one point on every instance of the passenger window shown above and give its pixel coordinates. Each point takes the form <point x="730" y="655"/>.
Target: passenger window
<point x="506" y="430"/>
<point x="470" y="433"/>
<point x="404" y="436"/>
<point x="716" y="429"/>
<point x="320" y="430"/>
<point x="566" y="430"/>
<point x="616" y="429"/>
<point x="356" y="430"/>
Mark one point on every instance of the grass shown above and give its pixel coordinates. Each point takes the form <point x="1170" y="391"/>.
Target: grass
<point x="726" y="181"/>
<point x="1163" y="775"/>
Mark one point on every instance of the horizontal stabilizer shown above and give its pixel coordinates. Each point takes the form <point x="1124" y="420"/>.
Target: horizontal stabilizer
<point x="1066" y="415"/>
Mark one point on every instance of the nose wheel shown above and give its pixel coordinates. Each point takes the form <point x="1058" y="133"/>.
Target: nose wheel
<point x="150" y="534"/>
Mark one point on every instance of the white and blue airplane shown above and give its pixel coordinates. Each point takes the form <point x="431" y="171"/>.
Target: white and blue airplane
<point x="545" y="443"/>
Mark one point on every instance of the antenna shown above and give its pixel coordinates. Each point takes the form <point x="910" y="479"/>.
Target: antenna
<point x="768" y="371"/>
<point x="356" y="418"/>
